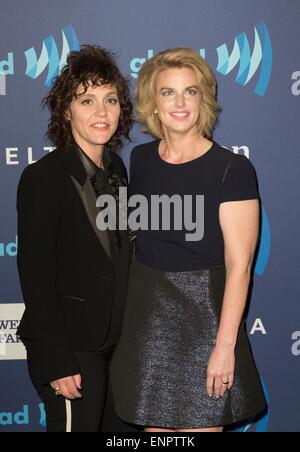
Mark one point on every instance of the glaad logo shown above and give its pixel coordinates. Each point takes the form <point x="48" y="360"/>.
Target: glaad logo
<point x="9" y="249"/>
<point x="19" y="418"/>
<point x="296" y="84"/>
<point x="49" y="57"/>
<point x="296" y="344"/>
<point x="23" y="417"/>
<point x="249" y="64"/>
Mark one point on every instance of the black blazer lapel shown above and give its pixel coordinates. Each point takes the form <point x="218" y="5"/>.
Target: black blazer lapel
<point x="88" y="199"/>
<point x="86" y="193"/>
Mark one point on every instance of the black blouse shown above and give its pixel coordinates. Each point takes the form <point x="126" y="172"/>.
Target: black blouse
<point x="219" y="175"/>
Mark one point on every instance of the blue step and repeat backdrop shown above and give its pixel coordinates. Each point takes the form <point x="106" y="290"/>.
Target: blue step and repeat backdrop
<point x="253" y="47"/>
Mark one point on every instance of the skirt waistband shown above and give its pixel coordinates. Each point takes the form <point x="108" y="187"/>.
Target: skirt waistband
<point x="214" y="267"/>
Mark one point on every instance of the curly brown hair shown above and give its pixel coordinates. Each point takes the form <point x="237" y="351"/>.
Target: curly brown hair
<point x="90" y="65"/>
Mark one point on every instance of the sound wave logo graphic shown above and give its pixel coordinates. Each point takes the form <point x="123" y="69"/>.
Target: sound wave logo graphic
<point x="50" y="56"/>
<point x="262" y="56"/>
<point x="265" y="245"/>
<point x="42" y="421"/>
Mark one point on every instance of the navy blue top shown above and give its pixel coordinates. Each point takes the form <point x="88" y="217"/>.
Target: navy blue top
<point x="219" y="175"/>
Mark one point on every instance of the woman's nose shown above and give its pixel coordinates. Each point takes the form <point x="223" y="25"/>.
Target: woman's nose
<point x="180" y="100"/>
<point x="101" y="110"/>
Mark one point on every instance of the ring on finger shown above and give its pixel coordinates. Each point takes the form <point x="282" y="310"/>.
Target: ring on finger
<point x="57" y="391"/>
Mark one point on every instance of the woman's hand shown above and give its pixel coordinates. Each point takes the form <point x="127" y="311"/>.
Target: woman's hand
<point x="220" y="372"/>
<point x="68" y="387"/>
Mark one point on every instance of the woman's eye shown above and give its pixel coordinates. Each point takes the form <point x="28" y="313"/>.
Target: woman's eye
<point x="192" y="92"/>
<point x="113" y="100"/>
<point x="86" y="102"/>
<point x="167" y="93"/>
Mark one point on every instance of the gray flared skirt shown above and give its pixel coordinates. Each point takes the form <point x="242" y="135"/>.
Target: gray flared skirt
<point x="158" y="373"/>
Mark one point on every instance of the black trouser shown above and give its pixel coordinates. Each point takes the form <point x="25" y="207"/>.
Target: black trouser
<point x="95" y="411"/>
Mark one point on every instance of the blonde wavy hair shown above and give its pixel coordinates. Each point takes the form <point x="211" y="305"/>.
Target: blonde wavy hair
<point x="146" y="89"/>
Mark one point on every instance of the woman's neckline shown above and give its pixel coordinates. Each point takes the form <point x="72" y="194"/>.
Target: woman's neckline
<point x="201" y="157"/>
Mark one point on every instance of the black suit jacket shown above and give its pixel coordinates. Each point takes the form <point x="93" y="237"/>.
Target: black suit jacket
<point x="71" y="281"/>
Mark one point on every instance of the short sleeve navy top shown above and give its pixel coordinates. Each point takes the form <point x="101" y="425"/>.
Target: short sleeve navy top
<point x="219" y="175"/>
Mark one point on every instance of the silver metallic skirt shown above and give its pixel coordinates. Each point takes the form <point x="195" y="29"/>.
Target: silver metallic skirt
<point x="158" y="373"/>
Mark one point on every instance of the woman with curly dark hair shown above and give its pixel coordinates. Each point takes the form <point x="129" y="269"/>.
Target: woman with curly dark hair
<point x="73" y="275"/>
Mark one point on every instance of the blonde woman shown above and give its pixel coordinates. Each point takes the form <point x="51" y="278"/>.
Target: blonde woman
<point x="184" y="361"/>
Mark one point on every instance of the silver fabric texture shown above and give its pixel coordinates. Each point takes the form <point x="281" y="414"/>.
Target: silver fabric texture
<point x="159" y="369"/>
